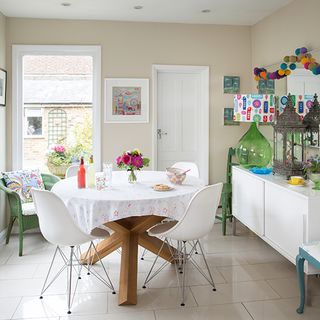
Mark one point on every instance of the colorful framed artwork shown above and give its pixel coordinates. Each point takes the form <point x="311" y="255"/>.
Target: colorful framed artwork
<point x="231" y="84"/>
<point x="126" y="100"/>
<point x="228" y="119"/>
<point x="254" y="108"/>
<point x="266" y="86"/>
<point x="3" y="87"/>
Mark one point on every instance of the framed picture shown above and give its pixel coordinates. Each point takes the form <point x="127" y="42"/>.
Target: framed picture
<point x="231" y="84"/>
<point x="126" y="100"/>
<point x="3" y="87"/>
<point x="228" y="119"/>
<point x="266" y="86"/>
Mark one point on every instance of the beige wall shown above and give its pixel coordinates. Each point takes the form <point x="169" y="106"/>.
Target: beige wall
<point x="130" y="49"/>
<point x="2" y="120"/>
<point x="278" y="35"/>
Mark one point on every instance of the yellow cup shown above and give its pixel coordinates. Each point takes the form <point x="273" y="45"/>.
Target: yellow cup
<point x="296" y="180"/>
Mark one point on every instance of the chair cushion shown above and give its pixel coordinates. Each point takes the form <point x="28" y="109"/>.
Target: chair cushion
<point x="22" y="181"/>
<point x="28" y="209"/>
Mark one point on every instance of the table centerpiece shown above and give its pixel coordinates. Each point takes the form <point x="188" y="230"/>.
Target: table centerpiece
<point x="132" y="161"/>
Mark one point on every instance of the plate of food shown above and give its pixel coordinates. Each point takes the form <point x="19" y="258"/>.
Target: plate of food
<point x="162" y="187"/>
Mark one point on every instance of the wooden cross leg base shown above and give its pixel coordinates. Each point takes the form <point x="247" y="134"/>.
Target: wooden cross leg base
<point x="128" y="234"/>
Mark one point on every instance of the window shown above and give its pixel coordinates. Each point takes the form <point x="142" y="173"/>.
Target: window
<point x="33" y="122"/>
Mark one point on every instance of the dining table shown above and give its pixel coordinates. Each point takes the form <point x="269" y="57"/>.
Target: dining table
<point x="129" y="210"/>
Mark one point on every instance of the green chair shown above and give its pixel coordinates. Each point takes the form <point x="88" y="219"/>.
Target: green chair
<point x="226" y="196"/>
<point x="24" y="212"/>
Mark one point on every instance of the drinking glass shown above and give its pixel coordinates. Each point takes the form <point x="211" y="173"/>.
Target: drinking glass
<point x="107" y="171"/>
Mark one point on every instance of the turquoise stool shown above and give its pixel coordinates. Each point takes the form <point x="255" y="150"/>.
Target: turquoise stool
<point x="311" y="253"/>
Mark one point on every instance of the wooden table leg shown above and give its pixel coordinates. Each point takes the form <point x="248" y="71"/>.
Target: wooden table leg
<point x="129" y="270"/>
<point x="128" y="234"/>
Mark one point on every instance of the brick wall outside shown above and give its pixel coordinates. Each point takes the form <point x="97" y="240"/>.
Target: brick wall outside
<point x="35" y="149"/>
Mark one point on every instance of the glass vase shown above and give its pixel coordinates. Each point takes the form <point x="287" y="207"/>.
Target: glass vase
<point x="253" y="149"/>
<point x="315" y="178"/>
<point x="132" y="177"/>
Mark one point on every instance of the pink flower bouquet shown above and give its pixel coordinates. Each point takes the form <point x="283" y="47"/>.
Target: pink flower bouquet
<point x="131" y="161"/>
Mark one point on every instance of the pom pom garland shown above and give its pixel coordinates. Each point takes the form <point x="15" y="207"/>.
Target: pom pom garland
<point x="301" y="55"/>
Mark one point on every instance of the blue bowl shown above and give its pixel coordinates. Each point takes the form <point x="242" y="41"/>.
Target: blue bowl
<point x="263" y="170"/>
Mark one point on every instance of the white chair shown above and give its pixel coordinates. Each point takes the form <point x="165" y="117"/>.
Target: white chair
<point x="59" y="229"/>
<point x="73" y="170"/>
<point x="197" y="221"/>
<point x="194" y="170"/>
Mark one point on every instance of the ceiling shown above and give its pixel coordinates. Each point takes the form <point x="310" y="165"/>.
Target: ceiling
<point x="230" y="12"/>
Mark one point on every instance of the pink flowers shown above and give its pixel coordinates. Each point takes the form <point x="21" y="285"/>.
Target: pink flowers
<point x="59" y="148"/>
<point x="132" y="160"/>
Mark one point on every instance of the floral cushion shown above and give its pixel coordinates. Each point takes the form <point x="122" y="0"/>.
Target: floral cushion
<point x="22" y="181"/>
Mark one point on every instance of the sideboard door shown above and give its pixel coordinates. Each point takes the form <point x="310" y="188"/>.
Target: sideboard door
<point x="285" y="218"/>
<point x="248" y="200"/>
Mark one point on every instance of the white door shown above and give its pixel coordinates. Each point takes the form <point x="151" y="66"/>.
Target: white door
<point x="178" y="105"/>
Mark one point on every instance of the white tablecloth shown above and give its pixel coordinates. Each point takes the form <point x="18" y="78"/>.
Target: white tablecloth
<point x="90" y="208"/>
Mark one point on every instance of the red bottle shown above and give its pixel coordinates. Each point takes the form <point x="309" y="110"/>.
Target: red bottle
<point x="81" y="175"/>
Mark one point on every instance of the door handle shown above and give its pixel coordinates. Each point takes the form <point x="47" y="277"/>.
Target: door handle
<point x="161" y="133"/>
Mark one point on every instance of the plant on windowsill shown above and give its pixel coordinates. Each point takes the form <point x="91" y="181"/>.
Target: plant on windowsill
<point x="59" y="160"/>
<point x="312" y="170"/>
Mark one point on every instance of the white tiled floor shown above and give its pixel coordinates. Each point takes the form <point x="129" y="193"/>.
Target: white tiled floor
<point x="253" y="282"/>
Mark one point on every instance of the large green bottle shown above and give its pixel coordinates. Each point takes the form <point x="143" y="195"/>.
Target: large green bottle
<point x="253" y="149"/>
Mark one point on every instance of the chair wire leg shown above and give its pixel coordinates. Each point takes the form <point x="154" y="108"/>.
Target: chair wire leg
<point x="79" y="265"/>
<point x="207" y="266"/>
<point x="70" y="279"/>
<point x="148" y="278"/>
<point x="104" y="269"/>
<point x="143" y="254"/>
<point x="49" y="271"/>
<point x="184" y="273"/>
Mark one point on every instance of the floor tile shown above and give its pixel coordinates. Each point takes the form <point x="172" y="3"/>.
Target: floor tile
<point x="283" y="309"/>
<point x="289" y="288"/>
<point x="233" y="292"/>
<point x="219" y="312"/>
<point x="144" y="315"/>
<point x="56" y="305"/>
<point x="19" y="271"/>
<point x="263" y="271"/>
<point x="8" y="306"/>
<point x="153" y="299"/>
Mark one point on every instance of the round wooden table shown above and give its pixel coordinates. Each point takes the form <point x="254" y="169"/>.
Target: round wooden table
<point x="129" y="210"/>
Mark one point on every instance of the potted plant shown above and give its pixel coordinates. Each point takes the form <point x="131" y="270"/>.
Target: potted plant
<point x="312" y="169"/>
<point x="59" y="160"/>
<point x="132" y="161"/>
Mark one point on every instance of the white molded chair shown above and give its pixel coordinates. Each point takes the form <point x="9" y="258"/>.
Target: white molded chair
<point x="73" y="170"/>
<point x="59" y="229"/>
<point x="194" y="170"/>
<point x="197" y="221"/>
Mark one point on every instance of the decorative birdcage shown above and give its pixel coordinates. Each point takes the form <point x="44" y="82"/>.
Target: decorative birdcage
<point x="312" y="121"/>
<point x="289" y="142"/>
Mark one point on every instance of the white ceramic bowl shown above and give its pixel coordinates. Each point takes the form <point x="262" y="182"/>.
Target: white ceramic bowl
<point x="176" y="175"/>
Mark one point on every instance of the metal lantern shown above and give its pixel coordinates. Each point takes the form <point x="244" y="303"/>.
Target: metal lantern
<point x="289" y="145"/>
<point x="312" y="121"/>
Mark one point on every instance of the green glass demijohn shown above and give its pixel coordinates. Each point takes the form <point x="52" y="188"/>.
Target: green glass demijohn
<point x="253" y="149"/>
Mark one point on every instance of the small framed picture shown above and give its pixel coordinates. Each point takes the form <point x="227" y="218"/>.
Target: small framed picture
<point x="228" y="119"/>
<point x="266" y="86"/>
<point x="231" y="84"/>
<point x="126" y="100"/>
<point x="3" y="87"/>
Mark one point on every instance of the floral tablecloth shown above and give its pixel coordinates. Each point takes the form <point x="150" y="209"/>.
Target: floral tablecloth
<point x="91" y="208"/>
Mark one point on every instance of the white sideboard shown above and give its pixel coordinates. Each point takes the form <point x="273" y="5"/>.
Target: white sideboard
<point x="284" y="216"/>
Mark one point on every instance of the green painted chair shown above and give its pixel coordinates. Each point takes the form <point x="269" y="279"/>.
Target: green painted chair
<point x="24" y="213"/>
<point x="226" y="196"/>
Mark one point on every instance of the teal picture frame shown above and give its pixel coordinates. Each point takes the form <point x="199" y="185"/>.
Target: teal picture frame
<point x="231" y="84"/>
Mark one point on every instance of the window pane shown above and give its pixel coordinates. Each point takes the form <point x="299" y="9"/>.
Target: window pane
<point x="34" y="126"/>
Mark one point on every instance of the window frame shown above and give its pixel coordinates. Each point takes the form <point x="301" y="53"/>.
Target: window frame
<point x="25" y="134"/>
<point x="18" y="52"/>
